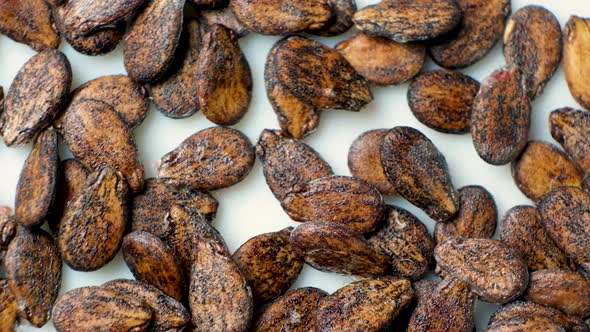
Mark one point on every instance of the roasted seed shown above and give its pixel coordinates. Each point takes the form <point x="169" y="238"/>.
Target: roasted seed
<point x="571" y="128"/>
<point x="7" y="227"/>
<point x="29" y="22"/>
<point x="182" y="235"/>
<point x="92" y="227"/>
<point x="523" y="324"/>
<point x="28" y="109"/>
<point x="36" y="189"/>
<point x="223" y="78"/>
<point x="33" y="269"/>
<point x="223" y="16"/>
<point x="211" y="159"/>
<point x="495" y="272"/>
<point x="335" y="248"/>
<point x="390" y="62"/>
<point x="409" y="20"/>
<point x="443" y="99"/>
<point x="81" y="17"/>
<point x="422" y="291"/>
<point x="575" y="61"/>
<point x="528" y="309"/>
<point x="341" y="21"/>
<point x="353" y="306"/>
<point x="419" y="172"/>
<point x="8" y="315"/>
<point x="208" y="3"/>
<point x="71" y="181"/>
<point x="501" y="117"/>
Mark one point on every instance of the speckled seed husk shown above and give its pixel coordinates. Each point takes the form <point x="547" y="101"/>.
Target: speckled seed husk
<point x="481" y="27"/>
<point x="223" y="77"/>
<point x="223" y="16"/>
<point x="334" y="248"/>
<point x="390" y="62"/>
<point x="92" y="227"/>
<point x="211" y="159"/>
<point x="182" y="236"/>
<point x="409" y="20"/>
<point x="523" y="230"/>
<point x="8" y="314"/>
<point x="533" y="42"/>
<point x="33" y="270"/>
<point x="419" y="172"/>
<point x="269" y="264"/>
<point x="571" y="128"/>
<point x="353" y="307"/>
<point x="36" y="189"/>
<point x="7" y="228"/>
<point x="341" y="21"/>
<point x="85" y="16"/>
<point x="528" y="323"/>
<point x="407" y="243"/>
<point x="422" y="291"/>
<point x="575" y="60"/>
<point x="29" y="22"/>
<point x="501" y="117"/>
<point x="28" y="109"/>
<point x="564" y="216"/>
<point x="288" y="163"/>
<point x="151" y="261"/>
<point x="348" y="201"/>
<point x="525" y="309"/>
<point x="477" y="217"/>
<point x="71" y="180"/>
<point x="443" y="99"/>
<point x="495" y="272"/>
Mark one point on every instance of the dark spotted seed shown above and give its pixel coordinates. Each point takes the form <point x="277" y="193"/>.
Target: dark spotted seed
<point x="571" y="128"/>
<point x="7" y="228"/>
<point x="8" y="314"/>
<point x="182" y="235"/>
<point x="341" y="21"/>
<point x="29" y="22"/>
<point x="529" y="323"/>
<point x="223" y="16"/>
<point x="422" y="291"/>
<point x="81" y="17"/>
<point x="575" y="62"/>
<point x="71" y="181"/>
<point x="530" y="309"/>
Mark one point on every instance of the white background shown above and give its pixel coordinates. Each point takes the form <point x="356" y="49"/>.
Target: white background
<point x="249" y="208"/>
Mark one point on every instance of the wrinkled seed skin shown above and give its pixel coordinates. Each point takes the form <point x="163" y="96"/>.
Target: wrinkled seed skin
<point x="8" y="315"/>
<point x="223" y="77"/>
<point x="366" y="305"/>
<point x="28" y="109"/>
<point x="7" y="228"/>
<point x="85" y="16"/>
<point x="334" y="248"/>
<point x="477" y="217"/>
<point x="71" y="180"/>
<point x="443" y="100"/>
<point x="36" y="188"/>
<point x="525" y="324"/>
<point x="571" y="128"/>
<point x="341" y="21"/>
<point x="390" y="62"/>
<point x="293" y="312"/>
<point x="480" y="29"/>
<point x="495" y="272"/>
<point x="409" y="20"/>
<point x="407" y="243"/>
<point x="91" y="230"/>
<point x="288" y="163"/>
<point x="501" y="117"/>
<point x="528" y="309"/>
<point x="533" y="42"/>
<point x="223" y="16"/>
<point x="564" y="213"/>
<point x="33" y="269"/>
<point x="29" y="22"/>
<point x="348" y="201"/>
<point x="211" y="159"/>
<point x="419" y="172"/>
<point x="182" y="236"/>
<point x="575" y="60"/>
<point x="422" y="291"/>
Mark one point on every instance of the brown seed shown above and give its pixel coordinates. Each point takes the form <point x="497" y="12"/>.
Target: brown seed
<point x="91" y="230"/>
<point x="533" y="42"/>
<point x="94" y="308"/>
<point x="293" y="312"/>
<point x="353" y="307"/>
<point x="524" y="324"/>
<point x="82" y="17"/>
<point x="443" y="99"/>
<point x="151" y="261"/>
<point x="575" y="62"/>
<point x="501" y="117"/>
<point x="422" y="292"/>
<point x="525" y="309"/>
<point x="477" y="217"/>
<point x="390" y="62"/>
<point x="209" y="3"/>
<point x="334" y="248"/>
<point x="36" y="189"/>
<point x="481" y="27"/>
<point x="282" y="17"/>
<point x="288" y="163"/>
<point x="224" y="79"/>
<point x="8" y="315"/>
<point x="364" y="160"/>
<point x="419" y="172"/>
<point x="571" y="128"/>
<point x="495" y="272"/>
<point x="211" y="159"/>
<point x="29" y="22"/>
<point x="448" y="308"/>
<point x="7" y="228"/>
<point x="1" y="100"/>
<point x="407" y="243"/>
<point x="28" y="109"/>
<point x="565" y="216"/>
<point x="347" y="201"/>
<point x="83" y="127"/>
<point x="169" y="314"/>
<point x="409" y="20"/>
<point x="182" y="235"/>
<point x="565" y="290"/>
<point x="341" y="21"/>
<point x="223" y="16"/>
<point x="318" y="75"/>
<point x="71" y="181"/>
<point x="33" y="270"/>
<point x="541" y="168"/>
<point x="152" y="38"/>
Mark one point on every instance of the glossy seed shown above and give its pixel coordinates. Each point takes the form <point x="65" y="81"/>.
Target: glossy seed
<point x="85" y="16"/>
<point x="531" y="309"/>
<point x="29" y="22"/>
<point x="575" y="62"/>
<point x="223" y="16"/>
<point x="8" y="314"/>
<point x="341" y="21"/>
<point x="71" y="181"/>
<point x="571" y="128"/>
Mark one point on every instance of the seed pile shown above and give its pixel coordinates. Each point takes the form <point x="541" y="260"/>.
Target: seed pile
<point x="185" y="57"/>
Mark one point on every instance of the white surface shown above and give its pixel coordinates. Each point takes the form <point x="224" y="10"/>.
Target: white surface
<point x="249" y="208"/>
